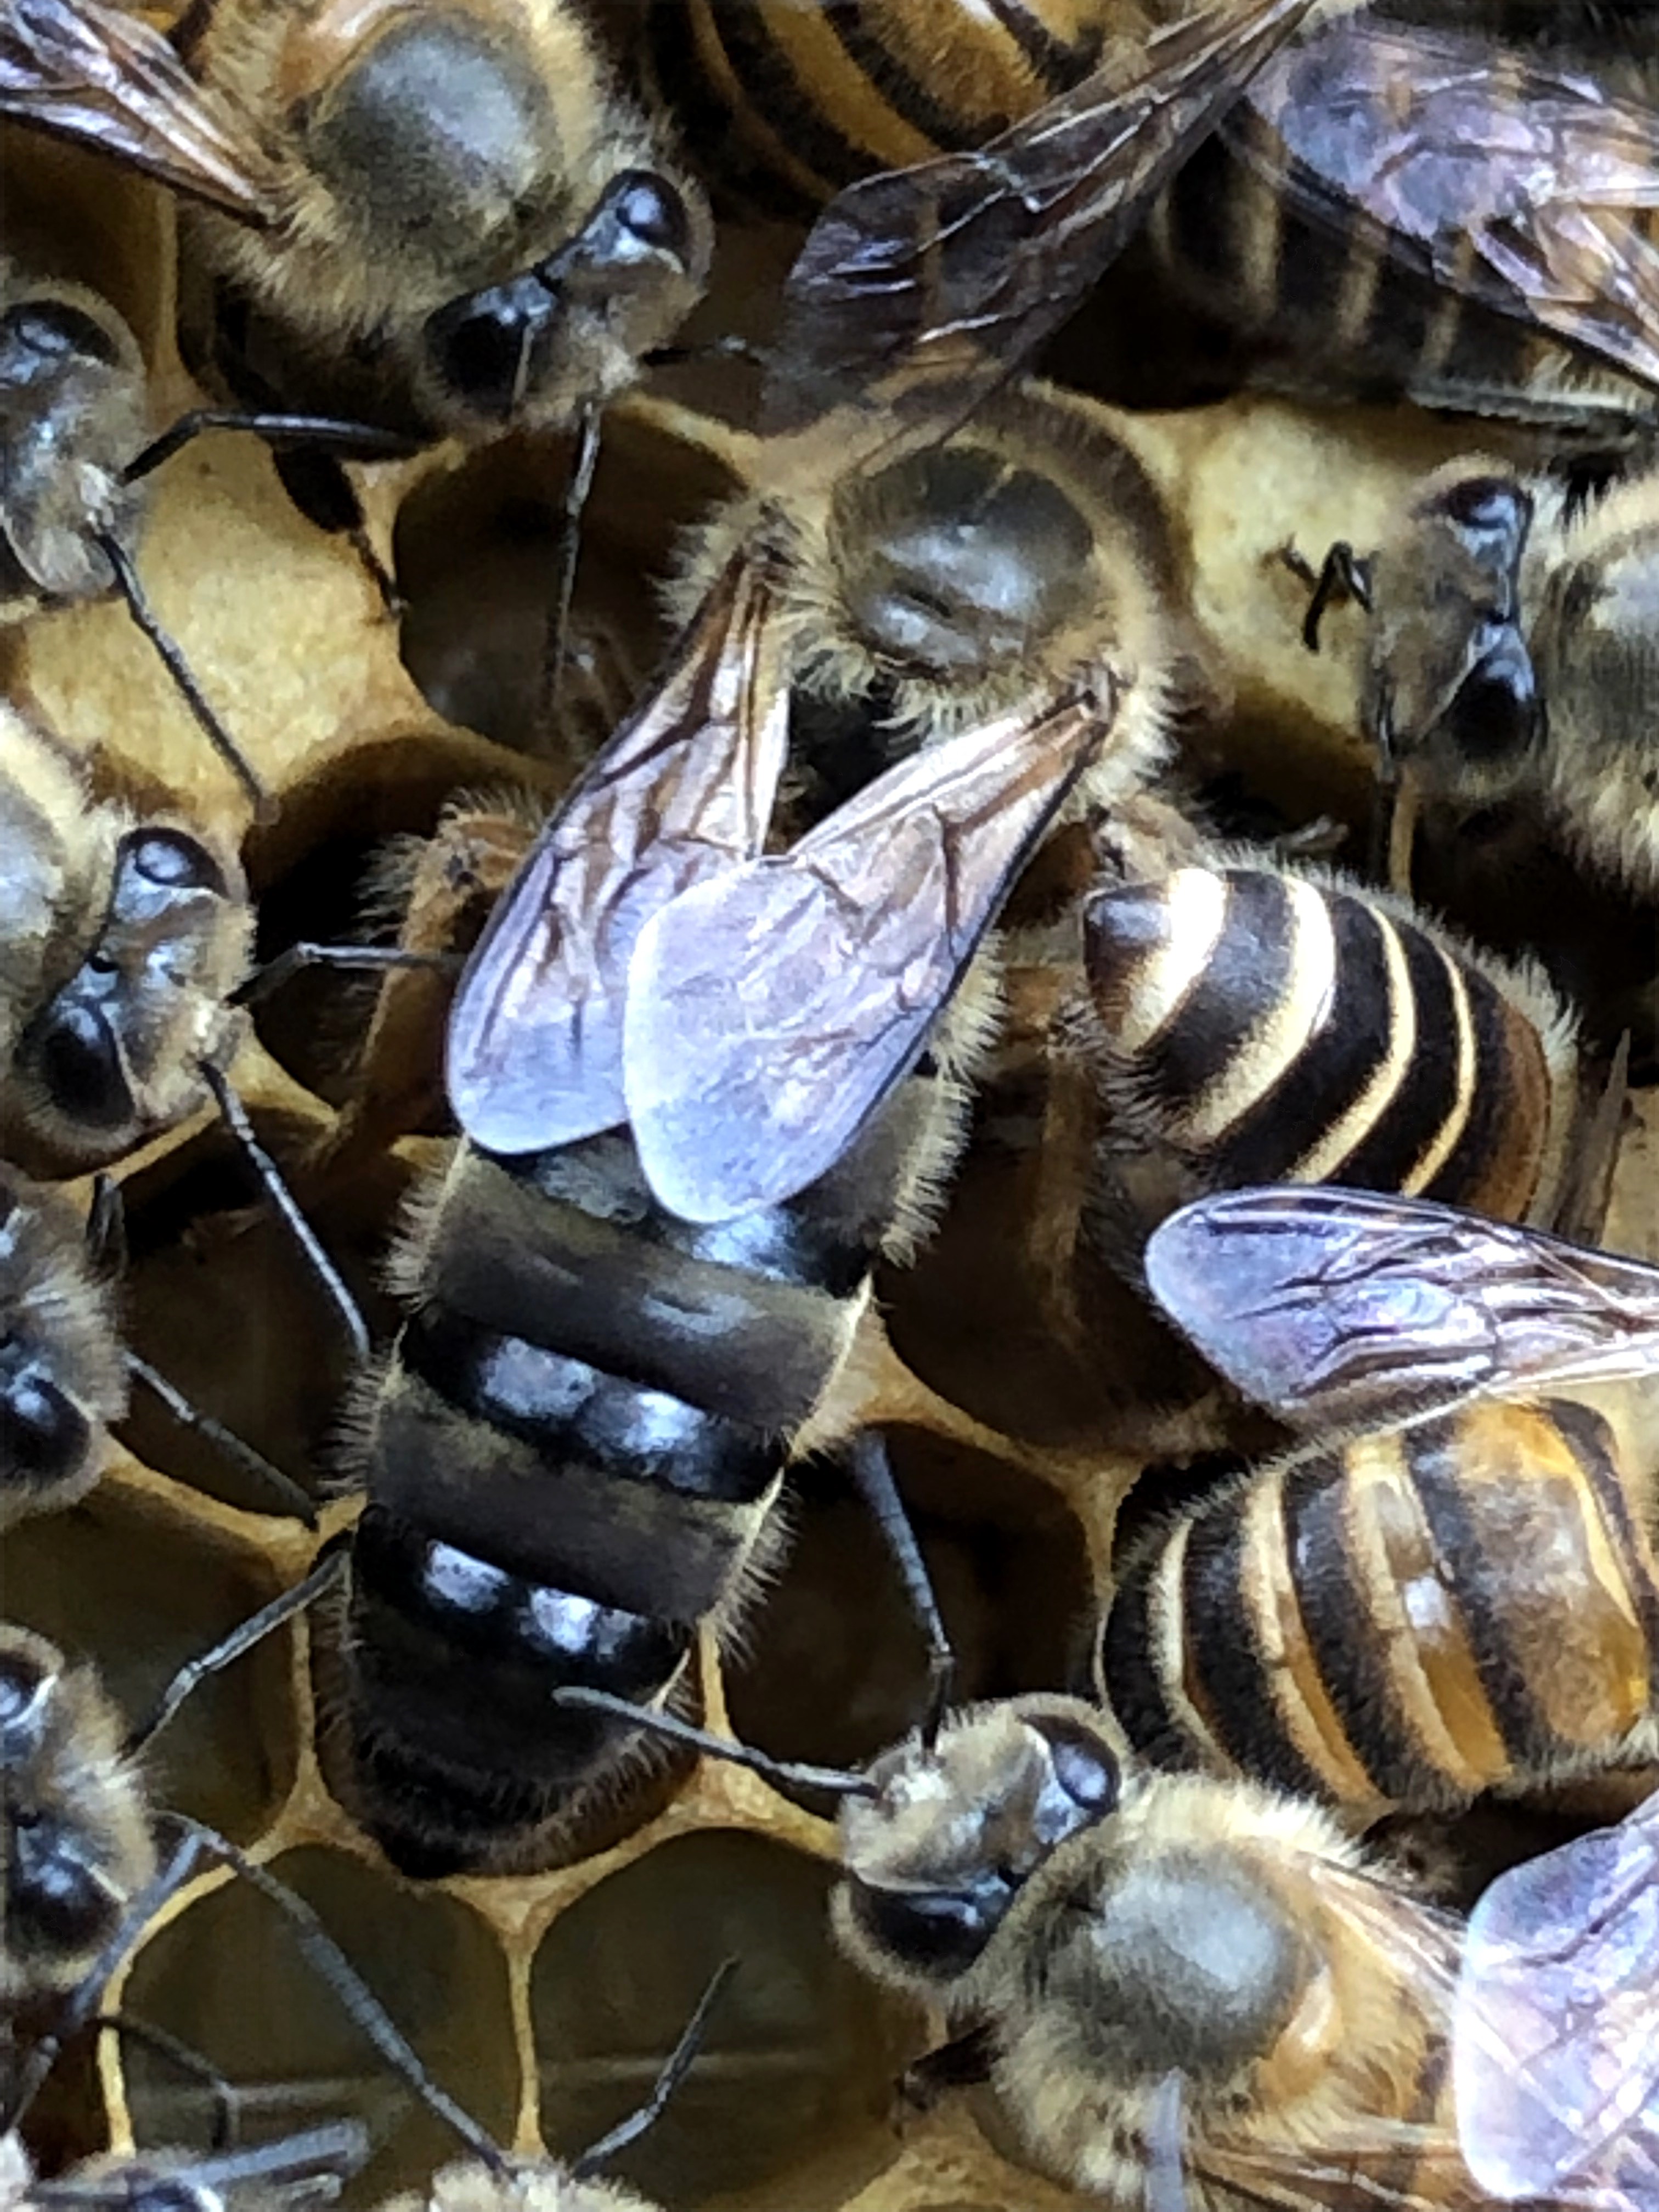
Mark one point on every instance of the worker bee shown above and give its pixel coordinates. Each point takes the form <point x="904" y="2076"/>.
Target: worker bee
<point x="1510" y="636"/>
<point x="1309" y="227"/>
<point x="1245" y="1021"/>
<point x="74" y="440"/>
<point x="63" y="1369"/>
<point x="122" y="942"/>
<point x="1455" y="1588"/>
<point x="1554" y="2069"/>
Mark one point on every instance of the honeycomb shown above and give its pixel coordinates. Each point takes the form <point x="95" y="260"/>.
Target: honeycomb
<point x="545" y="2001"/>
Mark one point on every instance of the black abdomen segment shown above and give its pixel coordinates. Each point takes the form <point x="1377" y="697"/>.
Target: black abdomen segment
<point x="1373" y="1626"/>
<point x="571" y="1458"/>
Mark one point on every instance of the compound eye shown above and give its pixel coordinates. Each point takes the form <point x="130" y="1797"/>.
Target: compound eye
<point x="937" y="1932"/>
<point x="1486" y="503"/>
<point x="480" y="344"/>
<point x="1085" y="1769"/>
<point x="175" y="862"/>
<point x="1498" y="712"/>
<point x="42" y="1434"/>
<point x="54" y="331"/>
<point x="22" y="1708"/>
<point x="649" y="208"/>
<point x="81" y="1067"/>
<point x="61" y="1900"/>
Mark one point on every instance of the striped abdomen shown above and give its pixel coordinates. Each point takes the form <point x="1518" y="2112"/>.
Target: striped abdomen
<point x="1404" y="1621"/>
<point x="816" y="96"/>
<point x="1271" y="1029"/>
<point x="570" y="1462"/>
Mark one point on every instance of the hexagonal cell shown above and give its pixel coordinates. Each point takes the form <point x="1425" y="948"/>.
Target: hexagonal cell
<point x="220" y="1299"/>
<point x="114" y="1581"/>
<point x="833" y="1666"/>
<point x="226" y="1977"/>
<point x="476" y="552"/>
<point x="797" y="2072"/>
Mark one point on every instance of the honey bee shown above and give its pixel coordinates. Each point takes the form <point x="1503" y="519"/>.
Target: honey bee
<point x="1245" y="1021"/>
<point x="73" y="440"/>
<point x="450" y="222"/>
<point x="121" y="943"/>
<point x="301" y="2169"/>
<point x="1510" y="636"/>
<point x="1554" y="2069"/>
<point x="1311" y="227"/>
<point x="1455" y="1587"/>
<point x="63" y="1369"/>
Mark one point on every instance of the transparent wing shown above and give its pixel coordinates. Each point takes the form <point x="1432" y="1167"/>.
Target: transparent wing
<point x="771" y="1011"/>
<point x="106" y="78"/>
<point x="682" y="790"/>
<point x="1341" y="1306"/>
<point x="1556" y="2051"/>
<point x="1513" y="183"/>
<point x="918" y="290"/>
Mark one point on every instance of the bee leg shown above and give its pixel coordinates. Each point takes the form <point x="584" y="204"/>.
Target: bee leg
<point x="578" y="484"/>
<point x="319" y="487"/>
<point x="234" y="1114"/>
<point x="1343" y="576"/>
<point x="328" y="1570"/>
<point x="1581" y="1210"/>
<point x="106" y="1247"/>
<point x="361" y="440"/>
<point x="227" y="2128"/>
<point x="874" y="1474"/>
<point x="676" y="2067"/>
<point x="270" y="978"/>
<point x="655" y="1720"/>
<point x="962" y="2064"/>
<point x="172" y="659"/>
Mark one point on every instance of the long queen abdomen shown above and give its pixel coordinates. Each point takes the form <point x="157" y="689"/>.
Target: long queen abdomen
<point x="570" y="1464"/>
<point x="1405" y="1620"/>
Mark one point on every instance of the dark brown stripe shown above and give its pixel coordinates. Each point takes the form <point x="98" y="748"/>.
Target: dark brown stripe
<point x="1350" y="1658"/>
<point x="1057" y="66"/>
<point x="681" y="86"/>
<point x="772" y="88"/>
<point x="1249" y="974"/>
<point x="1134" y="1689"/>
<point x="1431" y="1452"/>
<point x="881" y="70"/>
<point x="1417" y="1113"/>
<point x="1223" y="1657"/>
<point x="1331" y="1072"/>
<point x="1593" y="1445"/>
<point x="1490" y="1129"/>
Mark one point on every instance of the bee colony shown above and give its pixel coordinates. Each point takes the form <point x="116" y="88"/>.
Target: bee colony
<point x="1223" y="960"/>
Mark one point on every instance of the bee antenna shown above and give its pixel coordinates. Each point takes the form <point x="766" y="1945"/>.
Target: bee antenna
<point x="172" y="659"/>
<point x="675" y="2067"/>
<point x="873" y="1472"/>
<point x="328" y="1570"/>
<point x="1166" y="2157"/>
<point x="578" y="484"/>
<point x="276" y="1188"/>
<point x="185" y="2059"/>
<point x="788" y="1773"/>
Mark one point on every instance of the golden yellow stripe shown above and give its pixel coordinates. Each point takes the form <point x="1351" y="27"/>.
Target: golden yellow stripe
<point x="1423" y="1646"/>
<point x="1439" y="1149"/>
<point x="747" y="119"/>
<point x="1284" y="1030"/>
<point x="839" y="89"/>
<point x="1195" y="902"/>
<point x="1300" y="1699"/>
<point x="1333" y="1146"/>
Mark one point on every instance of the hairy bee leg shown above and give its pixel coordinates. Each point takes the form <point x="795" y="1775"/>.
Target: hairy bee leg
<point x="172" y="659"/>
<point x="788" y="1773"/>
<point x="242" y="1638"/>
<point x="227" y="2099"/>
<point x="234" y="1114"/>
<point x="470" y="859"/>
<point x="106" y="1247"/>
<point x="675" y="2067"/>
<point x="362" y="440"/>
<point x="288" y="964"/>
<point x="567" y="551"/>
<point x="873" y="1472"/>
<point x="962" y="2064"/>
<point x="293" y="1497"/>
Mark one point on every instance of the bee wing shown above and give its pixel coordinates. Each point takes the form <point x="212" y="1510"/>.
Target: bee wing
<point x="1514" y="183"/>
<point x="96" y="74"/>
<point x="918" y="290"/>
<point x="1555" y="2060"/>
<point x="1345" y="1307"/>
<point x="771" y="1010"/>
<point x="684" y="789"/>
